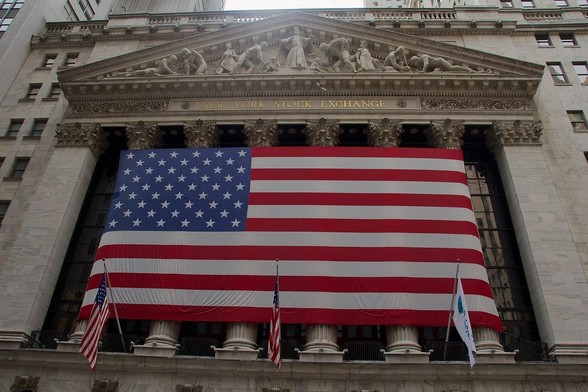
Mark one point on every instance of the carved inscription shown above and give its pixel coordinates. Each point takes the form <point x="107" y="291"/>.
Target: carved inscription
<point x="297" y="104"/>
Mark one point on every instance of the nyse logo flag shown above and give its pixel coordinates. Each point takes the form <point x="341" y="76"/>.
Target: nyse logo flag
<point x="461" y="320"/>
<point x="365" y="236"/>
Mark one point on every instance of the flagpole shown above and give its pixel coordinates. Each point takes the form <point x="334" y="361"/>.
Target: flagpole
<point x="113" y="302"/>
<point x="450" y="311"/>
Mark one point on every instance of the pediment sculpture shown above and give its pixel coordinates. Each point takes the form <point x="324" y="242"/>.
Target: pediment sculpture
<point x="298" y="53"/>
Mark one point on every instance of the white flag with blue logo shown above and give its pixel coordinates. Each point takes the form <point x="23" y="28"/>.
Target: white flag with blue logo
<point x="461" y="320"/>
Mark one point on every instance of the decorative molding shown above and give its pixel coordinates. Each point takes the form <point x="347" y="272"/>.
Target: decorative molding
<point x="119" y="107"/>
<point x="261" y="133"/>
<point x="448" y="134"/>
<point x="25" y="383"/>
<point x="516" y="133"/>
<point x="82" y="135"/>
<point x="201" y="134"/>
<point x="385" y="133"/>
<point x="323" y="133"/>
<point x="474" y="104"/>
<point x="275" y="389"/>
<point x="105" y="386"/>
<point x="188" y="388"/>
<point x="143" y="135"/>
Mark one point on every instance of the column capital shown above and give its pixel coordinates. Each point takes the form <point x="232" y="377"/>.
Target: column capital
<point x="322" y="133"/>
<point x="261" y="133"/>
<point x="448" y="134"/>
<point x="503" y="133"/>
<point x="200" y="134"/>
<point x="385" y="133"/>
<point x="82" y="135"/>
<point x="143" y="135"/>
<point x="25" y="382"/>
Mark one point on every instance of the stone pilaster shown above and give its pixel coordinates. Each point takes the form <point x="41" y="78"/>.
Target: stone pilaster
<point x="240" y="343"/>
<point x="403" y="346"/>
<point x="516" y="133"/>
<point x="200" y="134"/>
<point x="322" y="133"/>
<point x="261" y="133"/>
<point x="162" y="340"/>
<point x="142" y="135"/>
<point x="385" y="133"/>
<point x="448" y="134"/>
<point x="29" y="275"/>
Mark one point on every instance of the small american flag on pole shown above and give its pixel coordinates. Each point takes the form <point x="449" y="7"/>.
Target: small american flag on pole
<point x="273" y="346"/>
<point x="98" y="318"/>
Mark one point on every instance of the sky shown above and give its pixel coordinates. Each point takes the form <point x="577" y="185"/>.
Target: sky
<point x="290" y="4"/>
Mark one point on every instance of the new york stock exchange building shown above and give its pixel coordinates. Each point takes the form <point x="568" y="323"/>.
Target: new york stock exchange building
<point x="376" y="154"/>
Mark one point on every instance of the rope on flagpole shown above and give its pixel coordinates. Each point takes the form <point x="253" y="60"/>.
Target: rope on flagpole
<point x="450" y="311"/>
<point x="113" y="302"/>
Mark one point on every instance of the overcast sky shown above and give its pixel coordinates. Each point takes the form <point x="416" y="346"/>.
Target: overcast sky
<point x="290" y="4"/>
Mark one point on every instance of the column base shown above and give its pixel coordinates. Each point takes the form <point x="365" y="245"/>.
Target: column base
<point x="154" y="350"/>
<point x="236" y="353"/>
<point x="495" y="357"/>
<point x="321" y="355"/>
<point x="68" y="346"/>
<point x="12" y="340"/>
<point x="574" y="355"/>
<point x="408" y="356"/>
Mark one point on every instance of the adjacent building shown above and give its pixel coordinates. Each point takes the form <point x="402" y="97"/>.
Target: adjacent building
<point x="504" y="82"/>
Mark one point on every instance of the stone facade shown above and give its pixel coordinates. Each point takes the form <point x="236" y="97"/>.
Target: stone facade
<point x="484" y="74"/>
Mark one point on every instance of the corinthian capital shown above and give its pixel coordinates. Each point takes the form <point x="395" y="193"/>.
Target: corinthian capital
<point x="142" y="135"/>
<point x="261" y="133"/>
<point x="517" y="133"/>
<point x="323" y="133"/>
<point x="82" y="135"/>
<point x="447" y="134"/>
<point x="200" y="134"/>
<point x="385" y="133"/>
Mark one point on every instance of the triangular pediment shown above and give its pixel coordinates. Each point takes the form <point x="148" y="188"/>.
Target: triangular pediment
<point x="174" y="68"/>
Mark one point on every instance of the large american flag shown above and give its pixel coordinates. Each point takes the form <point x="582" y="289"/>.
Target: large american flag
<point x="365" y="236"/>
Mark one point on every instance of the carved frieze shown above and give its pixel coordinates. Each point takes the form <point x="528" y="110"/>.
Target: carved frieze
<point x="200" y="134"/>
<point x="118" y="107"/>
<point x="385" y="133"/>
<point x="474" y="104"/>
<point x="81" y="135"/>
<point x="322" y="133"/>
<point x="448" y="134"/>
<point x="25" y="383"/>
<point x="188" y="388"/>
<point x="516" y="133"/>
<point x="261" y="133"/>
<point x="105" y="386"/>
<point x="143" y="135"/>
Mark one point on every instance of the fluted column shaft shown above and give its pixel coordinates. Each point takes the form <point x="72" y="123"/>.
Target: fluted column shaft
<point x="402" y="338"/>
<point x="241" y="335"/>
<point x="164" y="333"/>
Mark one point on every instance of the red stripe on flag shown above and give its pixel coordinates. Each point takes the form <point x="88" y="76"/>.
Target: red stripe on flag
<point x="355" y="152"/>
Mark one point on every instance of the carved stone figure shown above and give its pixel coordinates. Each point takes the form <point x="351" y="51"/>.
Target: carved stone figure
<point x="228" y="60"/>
<point x="396" y="60"/>
<point x="334" y="56"/>
<point x="251" y="61"/>
<point x="426" y="63"/>
<point x="272" y="66"/>
<point x="293" y="50"/>
<point x="192" y="61"/>
<point x="165" y="67"/>
<point x="364" y="59"/>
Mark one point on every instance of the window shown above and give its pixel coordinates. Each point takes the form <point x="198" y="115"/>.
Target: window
<point x="33" y="91"/>
<point x="86" y="8"/>
<point x="69" y="13"/>
<point x="568" y="39"/>
<point x="578" y="120"/>
<point x="70" y="59"/>
<point x="581" y="69"/>
<point x="557" y="73"/>
<point x="20" y="165"/>
<point x="18" y="4"/>
<point x="3" y="209"/>
<point x="543" y="40"/>
<point x="14" y="128"/>
<point x="38" y="127"/>
<point x="561" y="3"/>
<point x="49" y="60"/>
<point x="55" y="91"/>
<point x="5" y="23"/>
<point x="507" y="3"/>
<point x="7" y="4"/>
<point x="583" y="3"/>
<point x="527" y="4"/>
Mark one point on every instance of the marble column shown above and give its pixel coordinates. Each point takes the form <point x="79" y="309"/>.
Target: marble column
<point x="240" y="343"/>
<point x="532" y="192"/>
<point x="163" y="335"/>
<point x="321" y="340"/>
<point x="32" y="268"/>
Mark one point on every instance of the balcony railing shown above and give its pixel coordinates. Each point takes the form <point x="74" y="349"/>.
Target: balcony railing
<point x="450" y="351"/>
<point x="198" y="346"/>
<point x="44" y="339"/>
<point x="115" y="343"/>
<point x="363" y="351"/>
